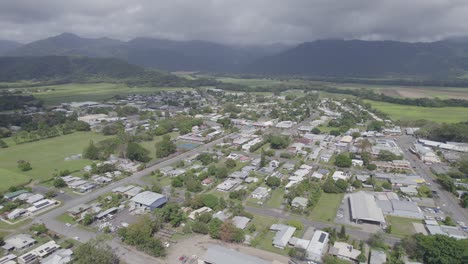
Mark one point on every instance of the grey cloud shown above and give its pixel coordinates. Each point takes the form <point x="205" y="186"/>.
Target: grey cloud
<point x="234" y="21"/>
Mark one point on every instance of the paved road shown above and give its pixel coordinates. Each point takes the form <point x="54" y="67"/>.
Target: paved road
<point x="49" y="218"/>
<point x="447" y="201"/>
<point x="353" y="233"/>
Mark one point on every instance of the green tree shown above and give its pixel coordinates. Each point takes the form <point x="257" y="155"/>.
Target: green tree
<point x="171" y="213"/>
<point x="3" y="144"/>
<point x="215" y="227"/>
<point x="59" y="183"/>
<point x="230" y="163"/>
<point x="95" y="251"/>
<point x="88" y="219"/>
<point x="91" y="151"/>
<point x="343" y="160"/>
<point x="136" y="152"/>
<point x="342" y="233"/>
<point x="165" y="147"/>
<point x="273" y="182"/>
<point x="24" y="165"/>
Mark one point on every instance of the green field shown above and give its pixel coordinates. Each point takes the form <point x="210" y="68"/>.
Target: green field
<point x="276" y="198"/>
<point x="46" y="156"/>
<point x="56" y="94"/>
<point x="402" y="226"/>
<point x="407" y="112"/>
<point x="150" y="145"/>
<point x="327" y="206"/>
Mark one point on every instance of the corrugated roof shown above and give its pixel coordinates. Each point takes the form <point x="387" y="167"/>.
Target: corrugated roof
<point x="363" y="206"/>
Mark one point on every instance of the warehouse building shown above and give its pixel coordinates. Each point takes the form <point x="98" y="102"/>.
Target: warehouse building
<point x="364" y="209"/>
<point x="149" y="200"/>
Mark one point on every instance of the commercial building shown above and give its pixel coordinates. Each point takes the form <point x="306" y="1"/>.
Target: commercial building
<point x="221" y="255"/>
<point x="149" y="200"/>
<point x="363" y="208"/>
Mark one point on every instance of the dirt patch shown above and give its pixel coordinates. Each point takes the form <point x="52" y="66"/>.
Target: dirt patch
<point x="198" y="245"/>
<point x="413" y="92"/>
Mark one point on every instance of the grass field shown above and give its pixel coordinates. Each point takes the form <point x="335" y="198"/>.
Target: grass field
<point x="10" y="178"/>
<point x="150" y="145"/>
<point x="45" y="156"/>
<point x="327" y="206"/>
<point x="402" y="226"/>
<point x="276" y="198"/>
<point x="407" y="112"/>
<point x="56" y="94"/>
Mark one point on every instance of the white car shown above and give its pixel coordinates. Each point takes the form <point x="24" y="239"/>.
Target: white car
<point x="68" y="224"/>
<point x="62" y="192"/>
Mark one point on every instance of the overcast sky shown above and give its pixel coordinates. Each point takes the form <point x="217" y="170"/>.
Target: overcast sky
<point x="236" y="21"/>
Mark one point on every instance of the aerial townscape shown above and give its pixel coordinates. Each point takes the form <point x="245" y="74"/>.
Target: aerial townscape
<point x="154" y="150"/>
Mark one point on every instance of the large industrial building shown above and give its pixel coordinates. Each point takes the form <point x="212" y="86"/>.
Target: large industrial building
<point x="364" y="209"/>
<point x="149" y="200"/>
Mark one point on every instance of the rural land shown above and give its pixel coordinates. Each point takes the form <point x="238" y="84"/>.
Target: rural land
<point x="112" y="160"/>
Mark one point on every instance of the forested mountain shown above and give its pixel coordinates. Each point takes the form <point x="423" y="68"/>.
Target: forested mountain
<point x="62" y="67"/>
<point x="341" y="58"/>
<point x="164" y="54"/>
<point x="8" y="46"/>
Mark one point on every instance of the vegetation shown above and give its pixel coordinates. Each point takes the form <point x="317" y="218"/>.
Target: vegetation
<point x="165" y="147"/>
<point x="95" y="251"/>
<point x="343" y="160"/>
<point x="140" y="235"/>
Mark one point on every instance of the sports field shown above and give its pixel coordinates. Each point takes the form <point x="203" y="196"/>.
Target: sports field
<point x="56" y="94"/>
<point x="46" y="156"/>
<point x="408" y="112"/>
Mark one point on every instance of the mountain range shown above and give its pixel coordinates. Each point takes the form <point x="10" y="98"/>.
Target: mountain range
<point x="332" y="58"/>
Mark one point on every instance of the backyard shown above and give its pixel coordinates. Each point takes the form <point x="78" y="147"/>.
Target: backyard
<point x="327" y="206"/>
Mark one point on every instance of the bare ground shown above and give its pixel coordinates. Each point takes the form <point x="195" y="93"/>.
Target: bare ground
<point x="198" y="245"/>
<point x="412" y="92"/>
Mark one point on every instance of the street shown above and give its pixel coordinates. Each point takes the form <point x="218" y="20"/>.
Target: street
<point x="447" y="201"/>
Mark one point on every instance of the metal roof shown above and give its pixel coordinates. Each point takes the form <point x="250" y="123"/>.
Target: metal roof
<point x="364" y="207"/>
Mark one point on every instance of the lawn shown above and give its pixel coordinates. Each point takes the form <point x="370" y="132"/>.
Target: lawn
<point x="57" y="94"/>
<point x="11" y="178"/>
<point x="150" y="145"/>
<point x="402" y="226"/>
<point x="327" y="206"/>
<point x="46" y="156"/>
<point x="66" y="218"/>
<point x="407" y="112"/>
<point x="276" y="198"/>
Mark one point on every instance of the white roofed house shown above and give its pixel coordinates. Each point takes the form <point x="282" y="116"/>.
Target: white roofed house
<point x="299" y="202"/>
<point x="260" y="193"/>
<point x="318" y="246"/>
<point x="344" y="251"/>
<point x="283" y="234"/>
<point x="337" y="175"/>
<point x="149" y="200"/>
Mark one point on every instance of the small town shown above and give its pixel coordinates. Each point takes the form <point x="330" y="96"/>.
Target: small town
<point x="199" y="175"/>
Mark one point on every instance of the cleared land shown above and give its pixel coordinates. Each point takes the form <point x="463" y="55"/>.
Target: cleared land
<point x="408" y="112"/>
<point x="402" y="226"/>
<point x="46" y="157"/>
<point x="327" y="206"/>
<point x="56" y="94"/>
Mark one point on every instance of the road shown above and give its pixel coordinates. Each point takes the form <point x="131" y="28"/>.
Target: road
<point x="83" y="235"/>
<point x="353" y="233"/>
<point x="447" y="201"/>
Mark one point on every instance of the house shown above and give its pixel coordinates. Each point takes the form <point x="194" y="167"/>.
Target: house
<point x="8" y="259"/>
<point x="409" y="190"/>
<point x="77" y="210"/>
<point x="13" y="195"/>
<point x="340" y="175"/>
<point x="18" y="242"/>
<point x="377" y="257"/>
<point x="16" y="213"/>
<point x="357" y="162"/>
<point x="195" y="213"/>
<point x="38" y="253"/>
<point x="344" y="251"/>
<point x="240" y="221"/>
<point x="283" y="234"/>
<point x="60" y="256"/>
<point x="228" y="184"/>
<point x="260" y="193"/>
<point x="149" y="200"/>
<point x="299" y="202"/>
<point x="318" y="246"/>
<point x="425" y="154"/>
<point x="207" y="181"/>
<point x="222" y="215"/>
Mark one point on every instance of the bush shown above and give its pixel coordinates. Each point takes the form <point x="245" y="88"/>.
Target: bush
<point x="24" y="165"/>
<point x="343" y="160"/>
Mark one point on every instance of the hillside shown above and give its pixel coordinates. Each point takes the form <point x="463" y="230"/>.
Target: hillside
<point x="64" y="68"/>
<point x="357" y="58"/>
<point x="163" y="54"/>
<point x="8" y="46"/>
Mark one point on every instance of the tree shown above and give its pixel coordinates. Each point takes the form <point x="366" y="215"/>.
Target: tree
<point x="229" y="233"/>
<point x="95" y="251"/>
<point x="88" y="219"/>
<point x="215" y="227"/>
<point x="24" y="165"/>
<point x="376" y="240"/>
<point x="342" y="233"/>
<point x="356" y="134"/>
<point x="386" y="155"/>
<point x="436" y="249"/>
<point x="273" y="182"/>
<point x="372" y="167"/>
<point x="3" y="144"/>
<point x="136" y="152"/>
<point x="200" y="227"/>
<point x="171" y="213"/>
<point x="342" y="185"/>
<point x="387" y="185"/>
<point x="230" y="163"/>
<point x="343" y="160"/>
<point x="210" y="200"/>
<point x="165" y="147"/>
<point x="263" y="160"/>
<point x="316" y="130"/>
<point x="39" y="229"/>
<point x="91" y="151"/>
<point x="59" y="183"/>
<point x="449" y="221"/>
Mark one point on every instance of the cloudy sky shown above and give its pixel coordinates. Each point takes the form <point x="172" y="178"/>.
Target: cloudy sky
<point x="236" y="21"/>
